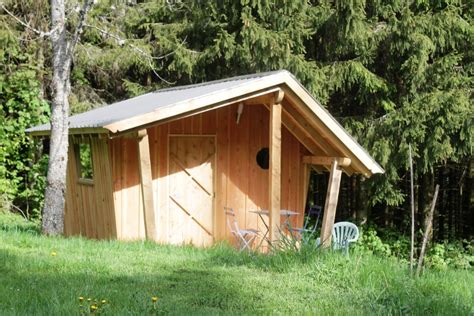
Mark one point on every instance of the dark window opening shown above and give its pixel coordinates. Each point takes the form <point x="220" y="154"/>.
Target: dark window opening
<point x="263" y="158"/>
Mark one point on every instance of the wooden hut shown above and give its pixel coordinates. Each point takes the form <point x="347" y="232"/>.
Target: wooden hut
<point x="164" y="164"/>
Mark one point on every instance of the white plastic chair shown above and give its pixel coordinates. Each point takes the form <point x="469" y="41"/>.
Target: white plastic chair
<point x="245" y="237"/>
<point x="343" y="233"/>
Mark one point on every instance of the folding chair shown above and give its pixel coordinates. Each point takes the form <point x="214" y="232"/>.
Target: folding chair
<point x="245" y="237"/>
<point x="305" y="233"/>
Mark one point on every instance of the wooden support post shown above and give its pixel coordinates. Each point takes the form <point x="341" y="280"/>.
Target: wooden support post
<point x="146" y="183"/>
<point x="274" y="179"/>
<point x="331" y="203"/>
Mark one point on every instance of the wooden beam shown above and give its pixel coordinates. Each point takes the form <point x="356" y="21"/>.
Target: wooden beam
<point x="298" y="132"/>
<point x="316" y="135"/>
<point x="331" y="203"/>
<point x="318" y="117"/>
<point x="326" y="161"/>
<point x="274" y="179"/>
<point x="301" y="134"/>
<point x="146" y="182"/>
<point x="263" y="99"/>
<point x="307" y="177"/>
<point x="197" y="105"/>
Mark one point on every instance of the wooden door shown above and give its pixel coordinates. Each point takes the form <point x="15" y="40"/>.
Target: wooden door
<point x="191" y="190"/>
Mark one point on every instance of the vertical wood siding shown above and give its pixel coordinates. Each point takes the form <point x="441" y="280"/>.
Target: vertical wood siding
<point x="112" y="206"/>
<point x="240" y="182"/>
<point x="90" y="207"/>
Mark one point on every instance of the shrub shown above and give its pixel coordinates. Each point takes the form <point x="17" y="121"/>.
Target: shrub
<point x="439" y="255"/>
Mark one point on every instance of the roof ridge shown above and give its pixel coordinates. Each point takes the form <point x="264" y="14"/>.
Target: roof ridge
<point x="207" y="83"/>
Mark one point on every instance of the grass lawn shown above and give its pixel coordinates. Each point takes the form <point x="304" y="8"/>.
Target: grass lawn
<point x="43" y="275"/>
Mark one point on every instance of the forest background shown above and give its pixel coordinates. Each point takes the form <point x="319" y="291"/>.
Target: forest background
<point x="392" y="72"/>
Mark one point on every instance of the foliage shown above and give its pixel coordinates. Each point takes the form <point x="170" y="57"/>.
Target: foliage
<point x="443" y="255"/>
<point x="439" y="255"/>
<point x="21" y="106"/>
<point x="53" y="273"/>
<point x="392" y="72"/>
<point x="85" y="160"/>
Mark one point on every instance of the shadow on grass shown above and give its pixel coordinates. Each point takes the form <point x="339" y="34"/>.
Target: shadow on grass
<point x="182" y="290"/>
<point x="213" y="281"/>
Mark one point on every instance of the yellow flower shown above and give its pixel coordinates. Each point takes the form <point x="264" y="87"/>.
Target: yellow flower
<point x="81" y="298"/>
<point x="89" y="299"/>
<point x="154" y="299"/>
<point x="53" y="253"/>
<point x="104" y="301"/>
<point x="93" y="307"/>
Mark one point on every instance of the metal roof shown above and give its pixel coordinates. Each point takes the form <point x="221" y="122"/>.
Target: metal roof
<point x="150" y="102"/>
<point x="185" y="100"/>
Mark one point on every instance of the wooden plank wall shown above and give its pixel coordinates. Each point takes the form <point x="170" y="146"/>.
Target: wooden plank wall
<point x="240" y="182"/>
<point x="89" y="207"/>
<point x="126" y="188"/>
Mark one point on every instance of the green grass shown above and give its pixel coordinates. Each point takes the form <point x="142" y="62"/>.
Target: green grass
<point x="212" y="281"/>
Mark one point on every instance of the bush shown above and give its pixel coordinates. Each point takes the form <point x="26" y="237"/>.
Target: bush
<point x="443" y="255"/>
<point x="21" y="106"/>
<point x="439" y="255"/>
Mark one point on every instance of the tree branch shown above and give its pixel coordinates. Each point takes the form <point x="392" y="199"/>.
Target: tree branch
<point x="40" y="33"/>
<point x="77" y="33"/>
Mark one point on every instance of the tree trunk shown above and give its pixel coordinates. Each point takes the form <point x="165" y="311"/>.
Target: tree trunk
<point x="53" y="211"/>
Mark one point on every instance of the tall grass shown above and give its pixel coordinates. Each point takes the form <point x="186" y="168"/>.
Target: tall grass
<point x="45" y="275"/>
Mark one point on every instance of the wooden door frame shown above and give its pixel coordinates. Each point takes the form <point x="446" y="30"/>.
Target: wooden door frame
<point x="214" y="181"/>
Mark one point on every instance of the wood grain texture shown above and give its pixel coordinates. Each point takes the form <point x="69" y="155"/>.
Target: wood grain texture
<point x="326" y="161"/>
<point x="330" y="205"/>
<point x="274" y="179"/>
<point x="146" y="185"/>
<point x="191" y="190"/>
<point x="239" y="182"/>
<point x="89" y="207"/>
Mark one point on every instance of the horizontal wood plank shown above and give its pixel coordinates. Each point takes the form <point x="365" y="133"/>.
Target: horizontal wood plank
<point x="326" y="161"/>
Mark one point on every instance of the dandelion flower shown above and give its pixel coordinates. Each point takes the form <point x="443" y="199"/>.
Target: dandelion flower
<point x="103" y="301"/>
<point x="53" y="253"/>
<point x="89" y="299"/>
<point x="81" y="298"/>
<point x="93" y="307"/>
<point x="154" y="299"/>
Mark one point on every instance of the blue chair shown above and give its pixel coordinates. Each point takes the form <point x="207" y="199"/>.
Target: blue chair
<point x="306" y="232"/>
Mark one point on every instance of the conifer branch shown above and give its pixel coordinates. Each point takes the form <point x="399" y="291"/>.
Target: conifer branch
<point x="140" y="51"/>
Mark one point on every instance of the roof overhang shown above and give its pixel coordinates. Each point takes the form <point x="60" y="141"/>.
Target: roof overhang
<point x="73" y="131"/>
<point x="297" y="100"/>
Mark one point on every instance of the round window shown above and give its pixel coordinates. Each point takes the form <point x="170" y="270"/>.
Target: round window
<point x="262" y="158"/>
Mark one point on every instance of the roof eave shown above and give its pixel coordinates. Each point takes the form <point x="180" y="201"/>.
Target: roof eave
<point x="72" y="131"/>
<point x="368" y="164"/>
<point x="260" y="86"/>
